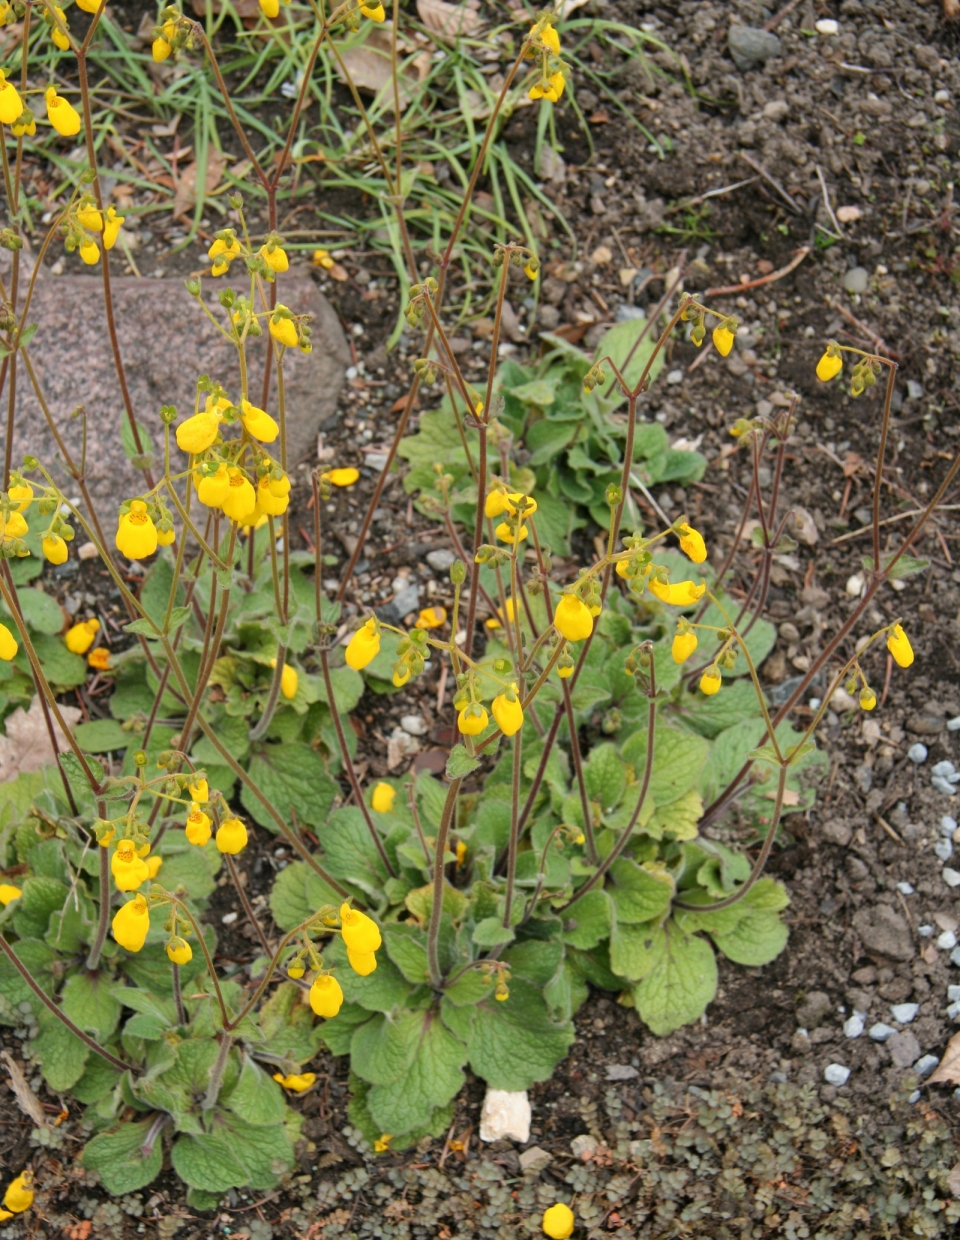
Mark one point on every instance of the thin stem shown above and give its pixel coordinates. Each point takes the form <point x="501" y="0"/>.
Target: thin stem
<point x="881" y="453"/>
<point x="436" y="911"/>
<point x="514" y="827"/>
<point x="578" y="767"/>
<point x="178" y="997"/>
<point x="216" y="1074"/>
<point x="247" y="906"/>
<point x="96" y="947"/>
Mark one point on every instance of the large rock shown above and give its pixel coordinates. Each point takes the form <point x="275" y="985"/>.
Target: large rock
<point x="884" y="932"/>
<point x="166" y="343"/>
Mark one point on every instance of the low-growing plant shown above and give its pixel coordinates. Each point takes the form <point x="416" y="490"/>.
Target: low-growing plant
<point x="573" y="840"/>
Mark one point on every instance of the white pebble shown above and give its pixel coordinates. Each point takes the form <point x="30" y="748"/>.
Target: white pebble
<point x="905" y="889"/>
<point x="947" y="941"/>
<point x="955" y="956"/>
<point x="953" y="993"/>
<point x="947" y="826"/>
<point x="853" y="1027"/>
<point x="950" y="876"/>
<point x="953" y="725"/>
<point x="914" y="1097"/>
<point x="836" y="1074"/>
<point x="925" y="1065"/>
<point x="584" y="1146"/>
<point x="947" y="770"/>
<point x="953" y="1011"/>
<point x="228" y="918"/>
<point x="943" y="785"/>
<point x="917" y="752"/>
<point x="826" y="25"/>
<point x="675" y="377"/>
<point x="925" y="931"/>
<point x="881" y="1032"/>
<point x="943" y="849"/>
<point x="941" y="96"/>
<point x="416" y="725"/>
<point x="854" y="585"/>
<point x="903" y="1013"/>
<point x="814" y="703"/>
<point x="505" y="1113"/>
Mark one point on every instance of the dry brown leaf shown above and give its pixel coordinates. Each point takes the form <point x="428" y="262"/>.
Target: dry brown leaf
<point x="26" y="746"/>
<point x="336" y="272"/>
<point x="186" y="194"/>
<point x="370" y="66"/>
<point x="27" y="1100"/>
<point x="449" y="20"/>
<point x="953" y="1180"/>
<point x="949" y="1069"/>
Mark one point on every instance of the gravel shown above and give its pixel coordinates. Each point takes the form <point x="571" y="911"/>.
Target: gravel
<point x="904" y="1013"/>
<point x="925" y="1065"/>
<point x="856" y="280"/>
<point x="836" y="1074"/>
<point x="854" y="1026"/>
<point x="951" y="877"/>
<point x="751" y="48"/>
<point x="917" y="752"/>
<point x="881" y="1032"/>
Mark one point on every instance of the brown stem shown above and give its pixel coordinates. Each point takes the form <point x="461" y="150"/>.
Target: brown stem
<point x="436" y="910"/>
<point x="247" y="906"/>
<point x="514" y="828"/>
<point x="103" y="920"/>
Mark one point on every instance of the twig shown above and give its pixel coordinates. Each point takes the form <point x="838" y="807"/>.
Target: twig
<point x="900" y="516"/>
<point x="711" y="193"/>
<point x="797" y="259"/>
<point x="826" y="201"/>
<point x="772" y="181"/>
<point x="775" y="21"/>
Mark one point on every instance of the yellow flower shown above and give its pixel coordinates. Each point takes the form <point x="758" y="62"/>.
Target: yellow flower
<point x="26" y="123"/>
<point x="401" y="674"/>
<point x="62" y="115"/>
<point x="283" y="329"/>
<point x="179" y="950"/>
<point x="8" y="892"/>
<point x="572" y="619"/>
<point x="99" y="659"/>
<point x="364" y="645"/>
<point x="684" y="644"/>
<point x="711" y="680"/>
<point x="241" y="499"/>
<point x="565" y="670"/>
<point x="231" y="836"/>
<point x="131" y="923"/>
<point x="431" y="618"/>
<point x="20" y="496"/>
<point x="326" y="997"/>
<point x="89" y="253"/>
<point x="692" y="544"/>
<point x="507" y="535"/>
<point x="682" y="594"/>
<point x="54" y="549"/>
<point x="129" y="871"/>
<point x="270" y="8"/>
<point x="472" y="720"/>
<point x="383" y="798"/>
<point x="136" y="533"/>
<point x="297" y="1084"/>
<point x="19" y="1194"/>
<point x="197" y="825"/>
<point x="321" y="258"/>
<point x="342" y="477"/>
<point x="81" y="636"/>
<point x="153" y="866"/>
<point x="550" y="39"/>
<point x="213" y="489"/>
<point x="382" y="1143"/>
<point x="899" y="646"/>
<point x="58" y="36"/>
<point x="868" y="699"/>
<point x="89" y="6"/>
<point x="222" y="253"/>
<point x="829" y="366"/>
<point x="258" y="422"/>
<point x="554" y="89"/>
<point x="288" y="680"/>
<point x="374" y="11"/>
<point x="360" y="932"/>
<point x="558" y="1222"/>
<point x="508" y="714"/>
<point x="362" y="963"/>
<point x="723" y="336"/>
<point x="160" y="49"/>
<point x="89" y="216"/>
<point x="199" y="791"/>
<point x="276" y="259"/>
<point x="272" y="504"/>
<point x="166" y="535"/>
<point x="198" y="432"/>
<point x="111" y="228"/>
<point x="461" y="853"/>
<point x="11" y="105"/>
<point x="496" y="622"/>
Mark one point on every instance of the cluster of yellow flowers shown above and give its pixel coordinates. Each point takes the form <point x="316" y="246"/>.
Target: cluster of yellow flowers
<point x="18" y="1196"/>
<point x="361" y="937"/>
<point x="545" y="46"/>
<point x="80" y="637"/>
<point x="61" y="113"/>
<point x="865" y="370"/>
<point x="82" y="226"/>
<point x="13" y="523"/>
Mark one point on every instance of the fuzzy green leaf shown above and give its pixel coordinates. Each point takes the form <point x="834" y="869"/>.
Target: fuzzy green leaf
<point x="605" y="777"/>
<point x="491" y="932"/>
<point x="88" y="999"/>
<point x="41" y="611"/>
<point x="514" y="1043"/>
<point x="288" y="1025"/>
<point x="431" y="1076"/>
<point x="207" y="1162"/>
<point x="683" y="981"/>
<point x="587" y="921"/>
<point x="256" y="1098"/>
<point x="297" y="893"/>
<point x="460" y="764"/>
<point x="639" y="895"/>
<point x="291" y="777"/>
<point x="119" y="1158"/>
<point x="62" y="1055"/>
<point x="407" y="948"/>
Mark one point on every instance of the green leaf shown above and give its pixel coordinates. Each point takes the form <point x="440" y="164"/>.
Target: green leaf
<point x="102" y="735"/>
<point x="143" y="625"/>
<point x="759" y="938"/>
<point x="40" y="899"/>
<point x="88" y="999"/>
<point x="587" y="921"/>
<point x="62" y="1055"/>
<point x="679" y="819"/>
<point x="638" y="894"/>
<point x="288" y="1026"/>
<point x="350" y="853"/>
<point x="99" y="1080"/>
<point x="535" y="960"/>
<point x="546" y="439"/>
<point x="431" y="1076"/>
<point x="381" y="991"/>
<point x="265" y="1153"/>
<point x="605" y="777"/>
<point x="37" y="957"/>
<point x="635" y="950"/>
<point x="407" y="947"/>
<point x="514" y="1043"/>
<point x="208" y="1162"/>
<point x="61" y="667"/>
<point x="256" y="1098"/>
<point x="711" y="715"/>
<point x="682" y="982"/>
<point x="470" y="987"/>
<point x="144" y="459"/>
<point x="491" y="932"/>
<point x="183" y="1085"/>
<point x="42" y="613"/>
<point x="291" y="777"/>
<point x="338" y="1032"/>
<point x="460" y="763"/>
<point x="119" y="1158"/>
<point x="297" y="893"/>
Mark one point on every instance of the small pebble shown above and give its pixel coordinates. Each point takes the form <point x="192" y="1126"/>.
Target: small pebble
<point x="947" y="826"/>
<point x="917" y="752"/>
<point x="229" y="918"/>
<point x="441" y="559"/>
<point x="947" y="941"/>
<point x="942" y="785"/>
<point x="953" y="1011"/>
<point x="881" y="1032"/>
<point x="914" y="389"/>
<point x="953" y="725"/>
<point x="906" y="889"/>
<point x="675" y="377"/>
<point x="924" y="1066"/>
<point x="951" y="876"/>
<point x="903" y="1013"/>
<point x="914" y="1097"/>
<point x="853" y="1027"/>
<point x="941" y="96"/>
<point x="943" y="849"/>
<point x="836" y="1074"/>
<point x="955" y="956"/>
<point x="416" y="725"/>
<point x="826" y="25"/>
<point x="856" y="280"/>
<point x="947" y="770"/>
<point x="925" y="931"/>
<point x="814" y="703"/>
<point x="953" y="993"/>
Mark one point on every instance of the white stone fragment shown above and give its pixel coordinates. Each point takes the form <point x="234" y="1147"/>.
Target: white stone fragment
<point x="854" y="1026"/>
<point x="947" y="941"/>
<point x="836" y="1074"/>
<point x="904" y="1013"/>
<point x="951" y="876"/>
<point x="505" y="1113"/>
<point x="955" y="956"/>
<point x="229" y="918"/>
<point x="925" y="932"/>
<point x="827" y="25"/>
<point x="905" y="889"/>
<point x="914" y="1097"/>
<point x="947" y="826"/>
<point x="925" y="1065"/>
<point x="584" y="1146"/>
<point x="953" y="725"/>
<point x="917" y="752"/>
<point x="943" y="849"/>
<point x="416" y="725"/>
<point x="953" y="1011"/>
<point x="953" y="993"/>
<point x="881" y="1032"/>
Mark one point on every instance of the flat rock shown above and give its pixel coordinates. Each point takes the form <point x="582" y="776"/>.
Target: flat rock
<point x="904" y="1048"/>
<point x="506" y="1113"/>
<point x="751" y="47"/>
<point x="166" y="343"/>
<point x="884" y="932"/>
